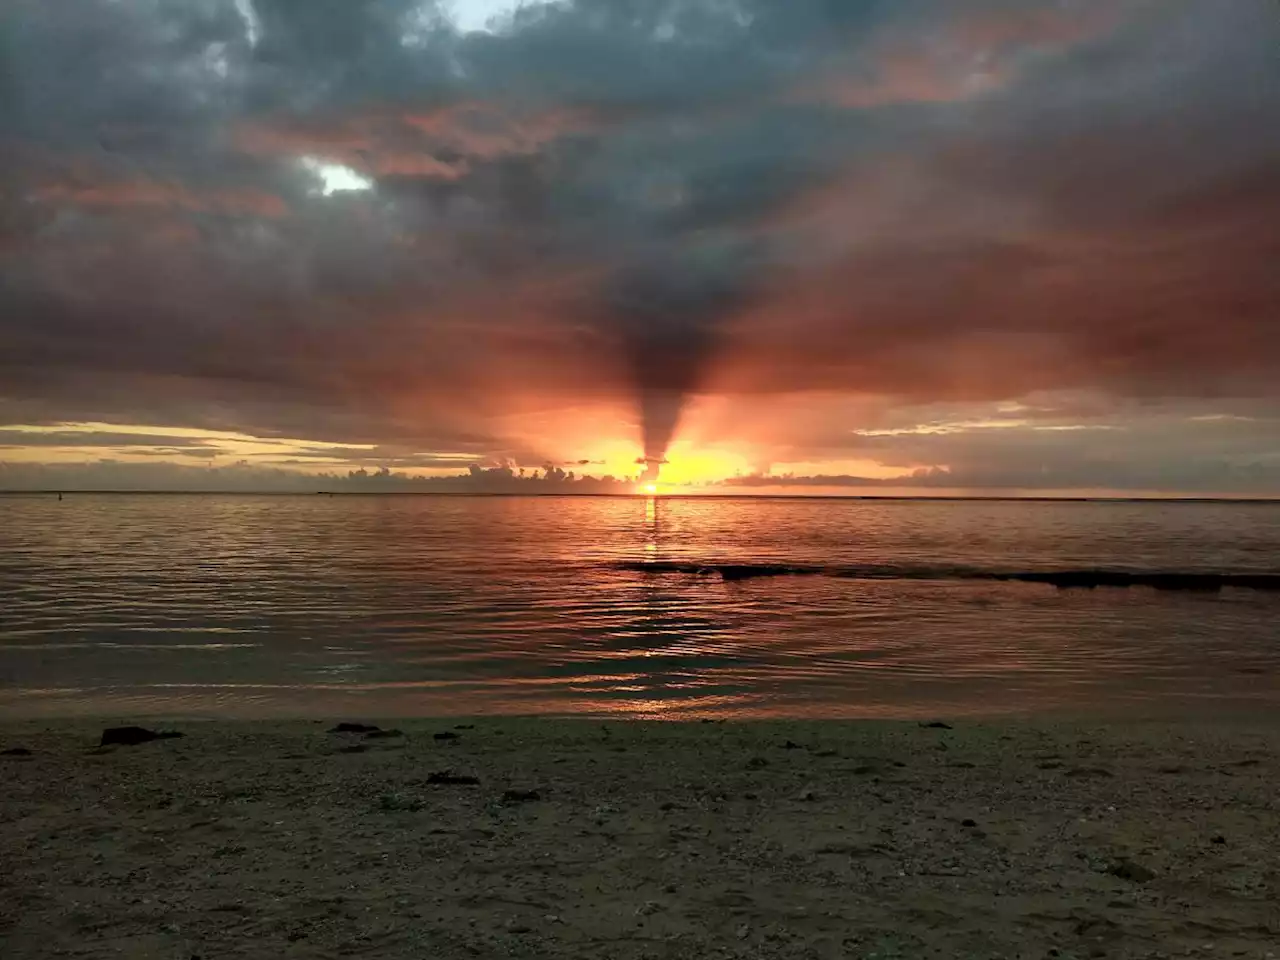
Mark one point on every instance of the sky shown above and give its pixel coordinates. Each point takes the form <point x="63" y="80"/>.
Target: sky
<point x="981" y="246"/>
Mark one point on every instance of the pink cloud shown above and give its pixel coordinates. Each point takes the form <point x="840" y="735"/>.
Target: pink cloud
<point x="142" y="193"/>
<point x="965" y="57"/>
<point x="439" y="144"/>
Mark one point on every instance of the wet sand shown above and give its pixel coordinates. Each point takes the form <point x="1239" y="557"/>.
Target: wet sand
<point x="631" y="840"/>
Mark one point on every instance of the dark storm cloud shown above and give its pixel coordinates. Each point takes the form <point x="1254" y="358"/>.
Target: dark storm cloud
<point x="1120" y="235"/>
<point x="627" y="198"/>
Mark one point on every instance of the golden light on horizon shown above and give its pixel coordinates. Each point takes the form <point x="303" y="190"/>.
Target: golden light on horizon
<point x="699" y="465"/>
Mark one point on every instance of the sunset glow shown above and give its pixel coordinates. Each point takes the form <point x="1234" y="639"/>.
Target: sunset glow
<point x="755" y="246"/>
<point x="700" y="466"/>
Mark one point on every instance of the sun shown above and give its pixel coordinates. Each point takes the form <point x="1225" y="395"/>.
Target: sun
<point x="649" y="488"/>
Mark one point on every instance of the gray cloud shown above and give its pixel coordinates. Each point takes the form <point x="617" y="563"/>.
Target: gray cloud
<point x="97" y="438"/>
<point x="610" y="200"/>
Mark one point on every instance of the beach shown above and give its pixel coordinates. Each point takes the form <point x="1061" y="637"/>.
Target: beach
<point x="504" y="837"/>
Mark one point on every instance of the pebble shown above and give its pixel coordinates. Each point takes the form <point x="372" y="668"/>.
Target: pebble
<point x="1128" y="870"/>
<point x="132" y="736"/>
<point x="520" y="796"/>
<point x="354" y="728"/>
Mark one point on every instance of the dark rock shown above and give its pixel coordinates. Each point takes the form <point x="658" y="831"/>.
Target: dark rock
<point x="936" y="725"/>
<point x="961" y="765"/>
<point x="863" y="769"/>
<point x="1197" y="582"/>
<point x="742" y="571"/>
<point x="826" y="753"/>
<point x="1171" y="770"/>
<point x="791" y="745"/>
<point x="728" y="571"/>
<point x="757" y="763"/>
<point x="383" y="734"/>
<point x="132" y="736"/>
<point x="1218" y="839"/>
<point x="451" y="779"/>
<point x="668" y="806"/>
<point x="968" y="823"/>
<point x="1133" y="872"/>
<point x="445" y="735"/>
<point x="15" y="752"/>
<point x="465" y="726"/>
<point x="354" y="728"/>
<point x="1050" y="765"/>
<point x="520" y="796"/>
<point x="354" y="748"/>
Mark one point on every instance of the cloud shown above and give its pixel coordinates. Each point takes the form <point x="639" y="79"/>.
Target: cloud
<point x="95" y="438"/>
<point x="959" y="52"/>
<point x="602" y="203"/>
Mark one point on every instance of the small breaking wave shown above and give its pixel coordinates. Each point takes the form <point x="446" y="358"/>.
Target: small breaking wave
<point x="1063" y="579"/>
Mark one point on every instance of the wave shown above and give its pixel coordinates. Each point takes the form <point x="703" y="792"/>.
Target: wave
<point x="1065" y="579"/>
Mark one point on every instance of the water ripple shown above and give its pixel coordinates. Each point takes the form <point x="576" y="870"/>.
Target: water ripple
<point x="411" y="605"/>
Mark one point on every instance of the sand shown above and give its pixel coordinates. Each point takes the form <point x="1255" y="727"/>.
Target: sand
<point x="760" y="840"/>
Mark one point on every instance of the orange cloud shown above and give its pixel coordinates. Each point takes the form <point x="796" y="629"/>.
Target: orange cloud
<point x="437" y="144"/>
<point x="486" y="131"/>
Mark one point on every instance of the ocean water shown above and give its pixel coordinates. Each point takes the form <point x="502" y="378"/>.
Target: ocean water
<point x="417" y="605"/>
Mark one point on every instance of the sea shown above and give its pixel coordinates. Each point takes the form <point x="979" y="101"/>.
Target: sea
<point x="357" y="606"/>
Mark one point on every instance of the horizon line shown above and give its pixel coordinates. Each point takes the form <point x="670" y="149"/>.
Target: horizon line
<point x="1035" y="498"/>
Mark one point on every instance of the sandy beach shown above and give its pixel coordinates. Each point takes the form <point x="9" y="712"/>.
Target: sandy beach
<point x="641" y="840"/>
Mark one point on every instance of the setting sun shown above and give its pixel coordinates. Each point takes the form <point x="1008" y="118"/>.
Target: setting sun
<point x="701" y="465"/>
